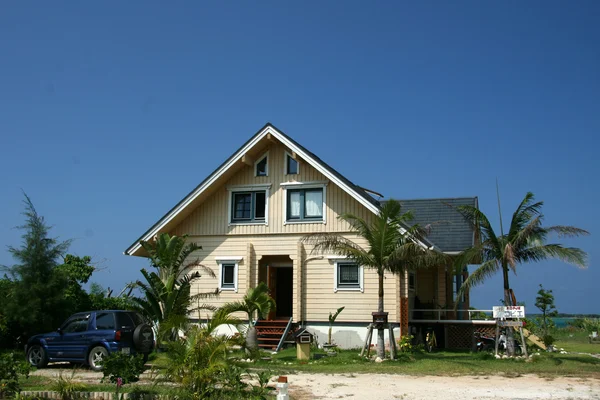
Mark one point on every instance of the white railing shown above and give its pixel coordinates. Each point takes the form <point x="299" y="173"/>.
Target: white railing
<point x="439" y="312"/>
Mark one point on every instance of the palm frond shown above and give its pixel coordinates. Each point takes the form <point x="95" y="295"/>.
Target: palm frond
<point x="569" y="255"/>
<point x="477" y="277"/>
<point x="567" y="231"/>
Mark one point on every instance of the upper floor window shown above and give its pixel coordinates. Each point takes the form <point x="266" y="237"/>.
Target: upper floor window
<point x="291" y="165"/>
<point x="249" y="206"/>
<point x="305" y="204"/>
<point x="262" y="167"/>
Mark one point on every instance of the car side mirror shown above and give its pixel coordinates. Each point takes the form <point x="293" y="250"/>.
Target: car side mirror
<point x="59" y="331"/>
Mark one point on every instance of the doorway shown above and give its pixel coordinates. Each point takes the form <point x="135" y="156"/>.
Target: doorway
<point x="281" y="286"/>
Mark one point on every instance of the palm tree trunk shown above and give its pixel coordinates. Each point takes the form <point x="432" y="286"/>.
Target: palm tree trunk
<point x="510" y="340"/>
<point x="251" y="338"/>
<point x="380" y="331"/>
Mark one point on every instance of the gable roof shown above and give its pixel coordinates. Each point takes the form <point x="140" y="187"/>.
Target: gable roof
<point x="353" y="190"/>
<point x="449" y="231"/>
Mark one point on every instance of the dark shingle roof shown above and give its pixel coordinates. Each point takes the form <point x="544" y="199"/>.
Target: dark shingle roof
<point x="449" y="230"/>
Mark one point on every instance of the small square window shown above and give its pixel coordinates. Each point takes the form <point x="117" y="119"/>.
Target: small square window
<point x="348" y="276"/>
<point x="261" y="167"/>
<point x="228" y="276"/>
<point x="291" y="165"/>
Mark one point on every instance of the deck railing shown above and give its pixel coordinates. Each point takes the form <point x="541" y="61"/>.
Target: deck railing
<point x="440" y="314"/>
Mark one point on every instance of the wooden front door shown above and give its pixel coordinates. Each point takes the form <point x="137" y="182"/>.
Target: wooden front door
<point x="272" y="284"/>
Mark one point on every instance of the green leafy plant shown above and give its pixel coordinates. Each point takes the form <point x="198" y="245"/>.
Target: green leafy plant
<point x="545" y="303"/>
<point x="257" y="300"/>
<point x="405" y="344"/>
<point x="12" y="369"/>
<point x="232" y="379"/>
<point x="332" y="318"/>
<point x="264" y="377"/>
<point x="198" y="362"/>
<point x="66" y="387"/>
<point x="122" y="366"/>
<point x="167" y="296"/>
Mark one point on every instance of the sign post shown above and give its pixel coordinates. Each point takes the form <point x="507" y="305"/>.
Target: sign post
<point x="505" y="317"/>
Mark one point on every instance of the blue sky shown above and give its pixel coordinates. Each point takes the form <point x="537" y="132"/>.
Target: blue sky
<point x="110" y="112"/>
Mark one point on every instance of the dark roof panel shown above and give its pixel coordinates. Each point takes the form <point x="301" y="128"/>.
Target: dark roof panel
<point x="448" y="229"/>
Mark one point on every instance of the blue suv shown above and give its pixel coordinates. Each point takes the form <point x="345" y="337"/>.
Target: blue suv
<point x="88" y="337"/>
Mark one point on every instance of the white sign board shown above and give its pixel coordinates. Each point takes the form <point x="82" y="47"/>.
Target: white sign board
<point x="503" y="312"/>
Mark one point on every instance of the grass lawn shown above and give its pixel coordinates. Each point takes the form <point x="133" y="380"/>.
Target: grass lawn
<point x="437" y="363"/>
<point x="575" y="341"/>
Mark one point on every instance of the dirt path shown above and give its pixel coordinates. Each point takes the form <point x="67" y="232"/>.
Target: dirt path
<point x="383" y="387"/>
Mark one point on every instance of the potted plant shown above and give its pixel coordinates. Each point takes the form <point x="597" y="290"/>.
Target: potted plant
<point x="332" y="318"/>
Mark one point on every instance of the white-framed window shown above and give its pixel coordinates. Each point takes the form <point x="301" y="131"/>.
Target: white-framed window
<point x="249" y="205"/>
<point x="348" y="276"/>
<point x="412" y="280"/>
<point x="228" y="273"/>
<point x="261" y="166"/>
<point x="304" y="202"/>
<point x="292" y="166"/>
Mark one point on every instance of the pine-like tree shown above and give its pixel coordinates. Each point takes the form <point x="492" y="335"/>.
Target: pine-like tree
<point x="37" y="301"/>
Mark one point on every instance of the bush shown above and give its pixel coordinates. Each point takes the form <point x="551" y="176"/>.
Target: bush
<point x="548" y="340"/>
<point x="12" y="368"/>
<point x="124" y="366"/>
<point x="67" y="387"/>
<point x="586" y="324"/>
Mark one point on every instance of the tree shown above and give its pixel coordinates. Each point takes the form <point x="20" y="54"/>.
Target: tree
<point x="37" y="302"/>
<point x="101" y="299"/>
<point x="167" y="292"/>
<point x="256" y="300"/>
<point x="525" y="242"/>
<point x="545" y="302"/>
<point x="76" y="271"/>
<point x="393" y="246"/>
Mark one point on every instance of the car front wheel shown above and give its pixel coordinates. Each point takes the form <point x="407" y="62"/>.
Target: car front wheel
<point x="36" y="356"/>
<point x="96" y="356"/>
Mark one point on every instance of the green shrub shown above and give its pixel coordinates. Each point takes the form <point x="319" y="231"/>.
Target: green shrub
<point x="12" y="368"/>
<point x="548" y="340"/>
<point x="119" y="365"/>
<point x="405" y="344"/>
<point x="67" y="388"/>
<point x="586" y="324"/>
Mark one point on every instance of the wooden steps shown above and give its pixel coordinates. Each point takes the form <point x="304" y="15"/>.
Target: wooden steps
<point x="269" y="332"/>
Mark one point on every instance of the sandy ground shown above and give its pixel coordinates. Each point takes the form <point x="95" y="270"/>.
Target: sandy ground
<point x="383" y="387"/>
<point x="379" y="386"/>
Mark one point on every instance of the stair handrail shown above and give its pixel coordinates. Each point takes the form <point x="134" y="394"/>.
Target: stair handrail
<point x="285" y="333"/>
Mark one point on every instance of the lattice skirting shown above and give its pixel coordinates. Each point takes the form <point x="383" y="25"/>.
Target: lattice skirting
<point x="404" y="316"/>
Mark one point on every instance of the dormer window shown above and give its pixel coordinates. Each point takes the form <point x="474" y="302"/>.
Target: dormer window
<point x="291" y="165"/>
<point x="261" y="166"/>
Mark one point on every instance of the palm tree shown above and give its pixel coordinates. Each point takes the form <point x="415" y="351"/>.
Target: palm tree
<point x="524" y="242"/>
<point x="256" y="300"/>
<point x="167" y="292"/>
<point x="393" y="246"/>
